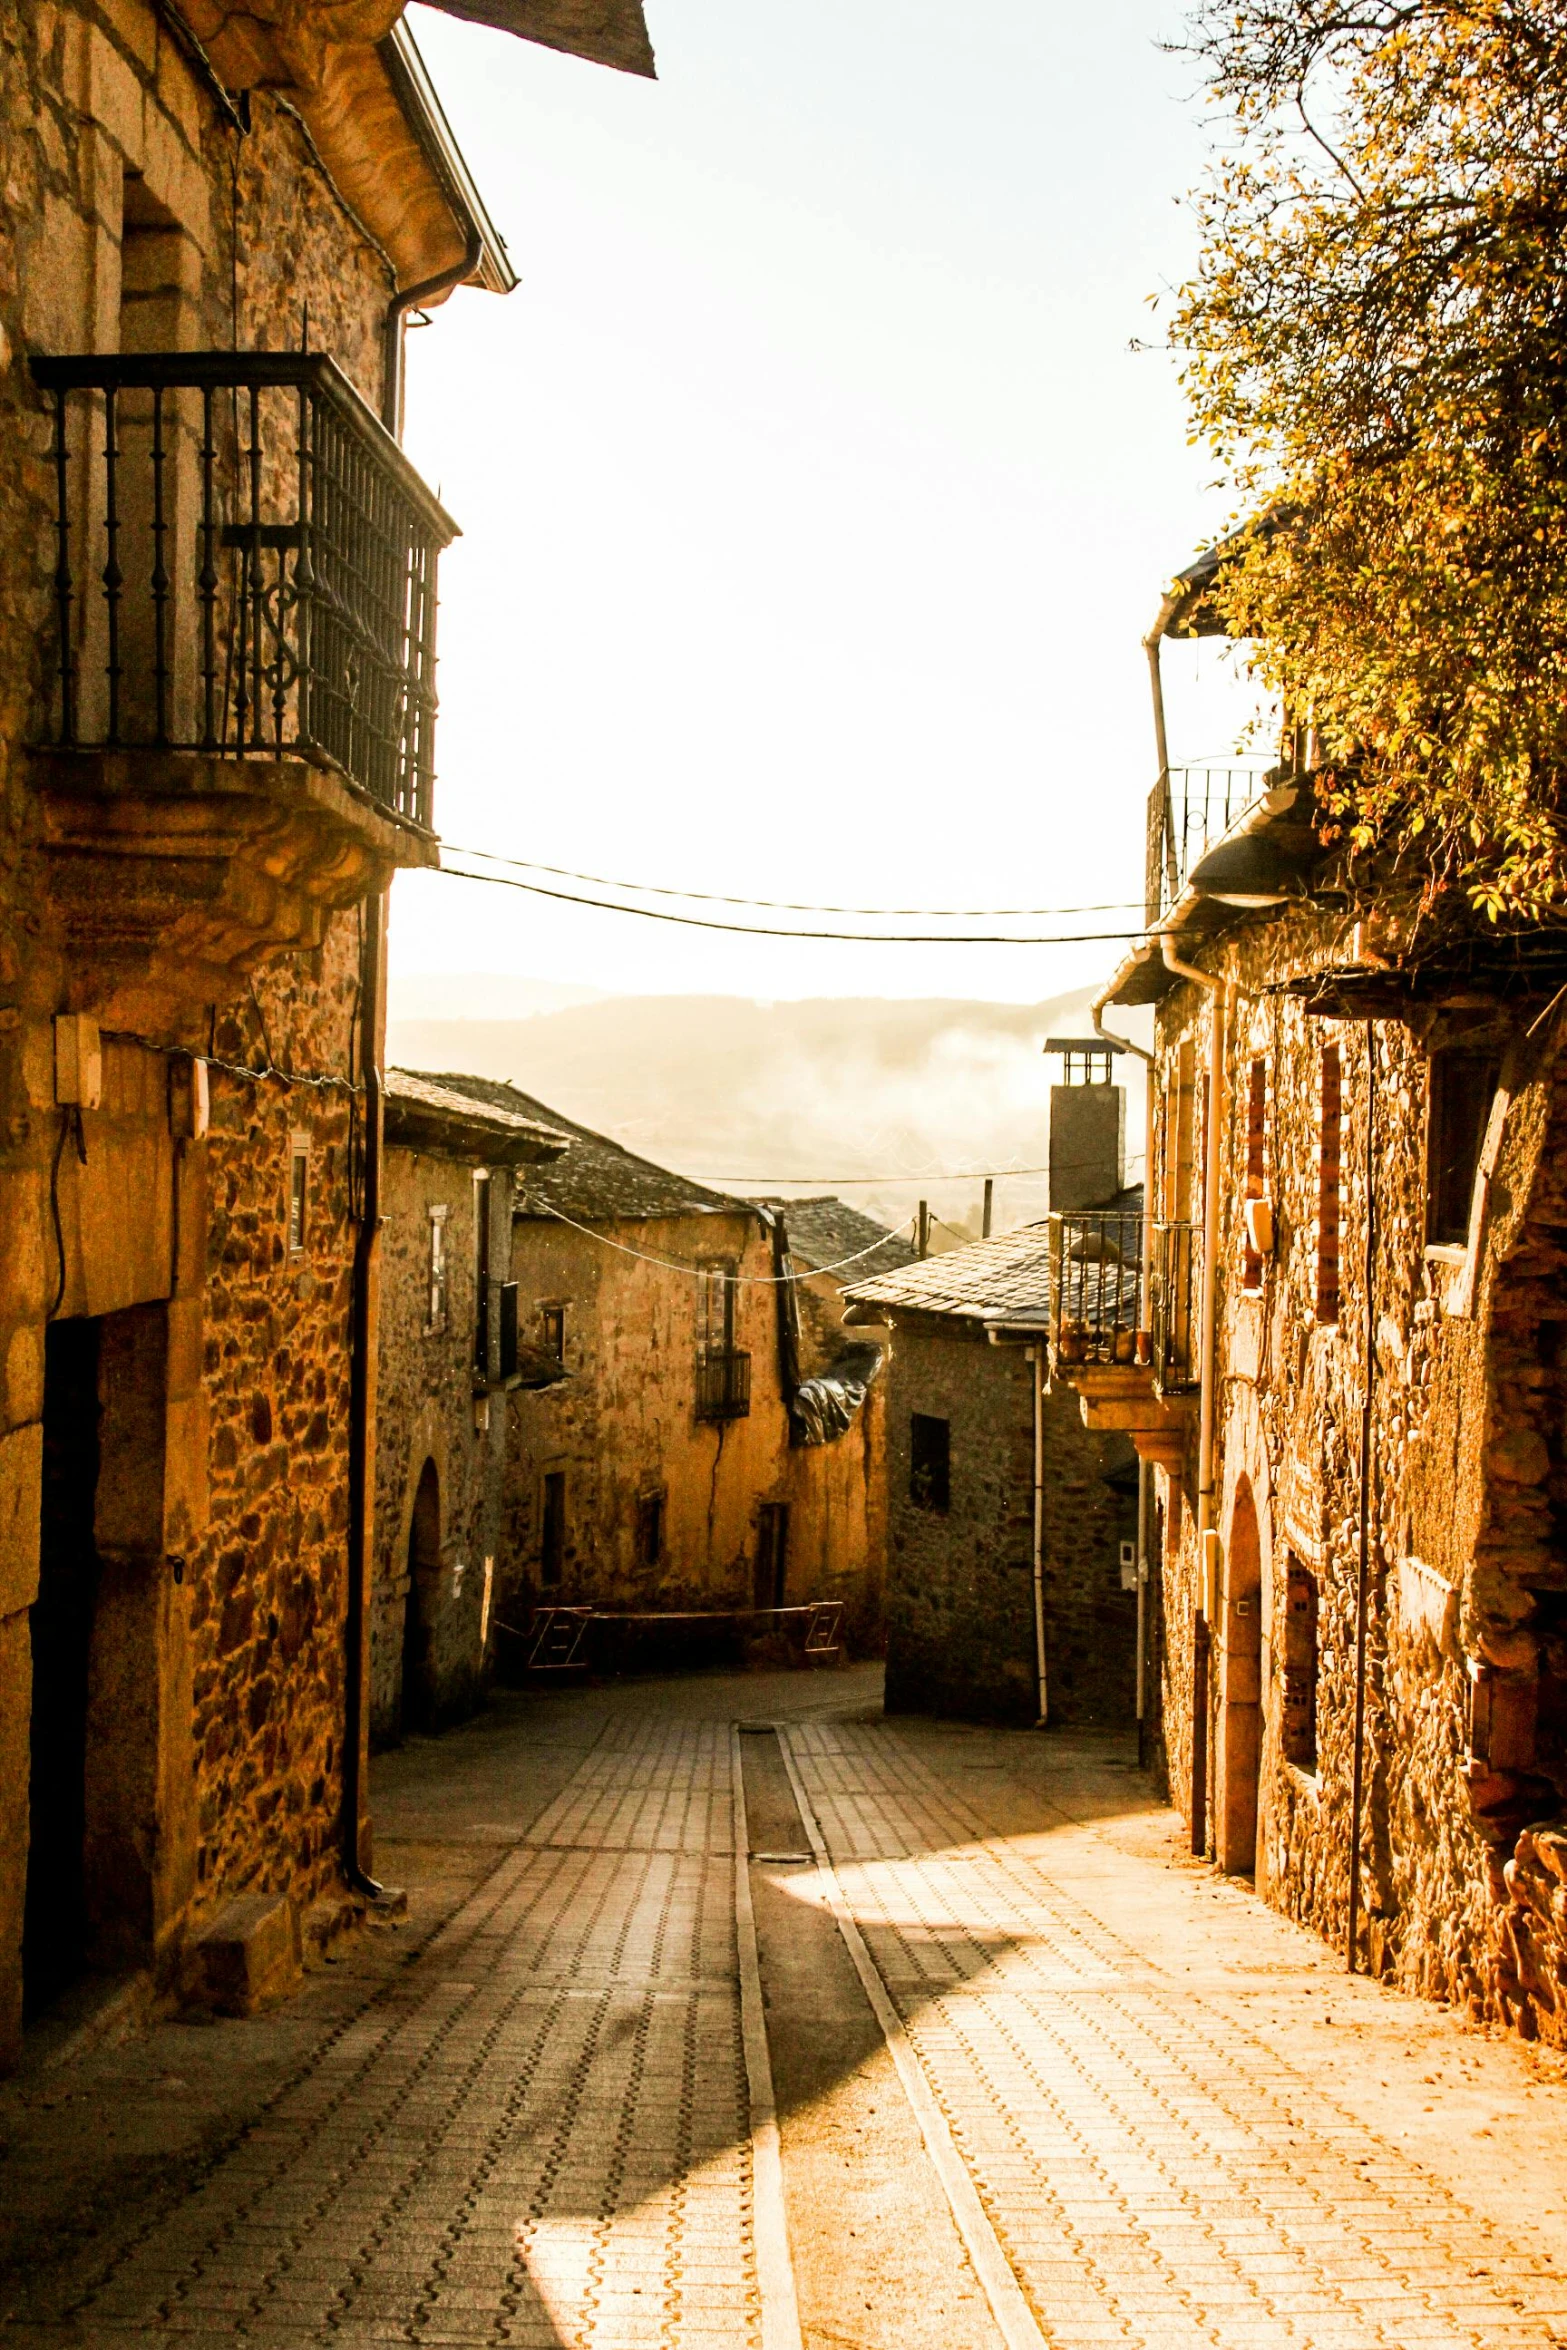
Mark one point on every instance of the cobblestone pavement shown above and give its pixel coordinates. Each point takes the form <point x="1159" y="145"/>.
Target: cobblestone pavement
<point x="538" y="2134"/>
<point x="1174" y="2120"/>
<point x="1155" y="2172"/>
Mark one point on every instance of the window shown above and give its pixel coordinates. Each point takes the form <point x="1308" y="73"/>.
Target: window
<point x="298" y="1193"/>
<point x="650" y="1529"/>
<point x="508" y="1330"/>
<point x="552" y="1548"/>
<point x="435" y="1318"/>
<point x="1330" y="1135"/>
<point x="555" y="1333"/>
<point x="719" y="1288"/>
<point x="1300" y="1666"/>
<point x="1256" y="1166"/>
<point x="481" y="1269"/>
<point x="772" y="1554"/>
<point x="930" y="1460"/>
<point x="1461" y="1087"/>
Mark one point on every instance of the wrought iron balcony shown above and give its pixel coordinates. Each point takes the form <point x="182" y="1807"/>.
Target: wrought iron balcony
<point x="1189" y="809"/>
<point x="245" y="564"/>
<point x="1173" y="1306"/>
<point x="1096" y="1288"/>
<point x="723" y="1384"/>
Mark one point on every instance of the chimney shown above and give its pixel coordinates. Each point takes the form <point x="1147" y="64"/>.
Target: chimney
<point x="1087" y="1125"/>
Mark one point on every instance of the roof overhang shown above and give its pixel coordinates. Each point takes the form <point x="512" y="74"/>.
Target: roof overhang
<point x="474" y="1137"/>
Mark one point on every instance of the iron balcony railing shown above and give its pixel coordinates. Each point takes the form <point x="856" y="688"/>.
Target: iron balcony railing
<point x="1189" y="809"/>
<point x="1096" y="1287"/>
<point x="245" y="562"/>
<point x="1173" y="1305"/>
<point x="723" y="1384"/>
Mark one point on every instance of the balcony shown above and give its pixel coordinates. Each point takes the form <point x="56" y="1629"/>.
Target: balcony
<point x="723" y="1384"/>
<point x="1189" y="809"/>
<point x="1173" y="1307"/>
<point x="1101" y="1344"/>
<point x="241" y="662"/>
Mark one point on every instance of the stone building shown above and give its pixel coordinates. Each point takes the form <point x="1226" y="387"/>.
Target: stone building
<point x="450" y="1356"/>
<point x="667" y="1468"/>
<point x="1350" y="1386"/>
<point x="217" y="601"/>
<point x="1010" y="1523"/>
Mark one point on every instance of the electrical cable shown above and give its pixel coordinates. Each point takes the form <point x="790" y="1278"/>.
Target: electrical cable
<point x="541" y="1207"/>
<point x="708" y="897"/>
<point x="270" y="1075"/>
<point x="962" y="1175"/>
<point x="875" y="938"/>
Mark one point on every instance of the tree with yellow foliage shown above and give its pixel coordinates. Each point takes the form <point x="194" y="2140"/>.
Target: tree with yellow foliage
<point x="1376" y="350"/>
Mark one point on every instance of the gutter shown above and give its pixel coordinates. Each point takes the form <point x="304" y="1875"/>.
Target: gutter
<point x="1034" y="1338"/>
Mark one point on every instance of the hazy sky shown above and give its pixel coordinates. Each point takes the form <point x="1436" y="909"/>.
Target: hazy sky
<point x="814" y="503"/>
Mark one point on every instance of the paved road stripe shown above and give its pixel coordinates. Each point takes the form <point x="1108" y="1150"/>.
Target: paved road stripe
<point x="1010" y="2309"/>
<point x="774" y="2268"/>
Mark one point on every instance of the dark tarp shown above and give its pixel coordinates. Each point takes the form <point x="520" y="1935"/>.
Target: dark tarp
<point x="824" y="1408"/>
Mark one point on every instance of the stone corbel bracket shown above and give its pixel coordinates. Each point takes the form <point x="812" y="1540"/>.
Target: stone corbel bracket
<point x="172" y="876"/>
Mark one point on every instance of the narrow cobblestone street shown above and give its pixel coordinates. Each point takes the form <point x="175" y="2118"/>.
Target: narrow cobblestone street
<point x="1039" y="2078"/>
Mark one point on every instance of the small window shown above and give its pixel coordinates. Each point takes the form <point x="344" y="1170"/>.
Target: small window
<point x="1300" y="1667"/>
<point x="555" y="1333"/>
<point x="930" y="1462"/>
<point x="1256" y="1165"/>
<point x="1330" y="1138"/>
<point x="772" y="1555"/>
<point x="1461" y="1087"/>
<point x="436" y="1314"/>
<point x="298" y="1195"/>
<point x="552" y="1549"/>
<point x="650" y="1529"/>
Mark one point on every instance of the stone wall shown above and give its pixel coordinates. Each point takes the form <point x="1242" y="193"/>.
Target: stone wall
<point x="1466" y="1563"/>
<point x="433" y="1413"/>
<point x="960" y="1603"/>
<point x="215" y="1694"/>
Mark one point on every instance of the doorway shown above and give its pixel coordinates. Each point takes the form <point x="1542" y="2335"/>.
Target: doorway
<point x="1240" y="1693"/>
<point x="54" y="1932"/>
<point x="772" y="1554"/>
<point x="424" y="1577"/>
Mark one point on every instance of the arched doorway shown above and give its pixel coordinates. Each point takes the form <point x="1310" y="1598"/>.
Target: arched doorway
<point x="424" y="1572"/>
<point x="1240" y="1689"/>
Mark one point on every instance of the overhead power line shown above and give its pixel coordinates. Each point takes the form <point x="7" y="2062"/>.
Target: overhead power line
<point x="706" y="897"/>
<point x="875" y="938"/>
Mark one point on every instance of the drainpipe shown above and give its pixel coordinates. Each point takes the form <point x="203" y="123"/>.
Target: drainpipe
<point x="1218" y="995"/>
<point x="1363" y="1583"/>
<point x="392" y="332"/>
<point x="1037" y="1355"/>
<point x="1144" y="1468"/>
<point x="361" y="1400"/>
<point x="364" y="1319"/>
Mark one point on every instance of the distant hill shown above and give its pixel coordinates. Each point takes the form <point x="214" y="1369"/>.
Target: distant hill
<point x="769" y="1097"/>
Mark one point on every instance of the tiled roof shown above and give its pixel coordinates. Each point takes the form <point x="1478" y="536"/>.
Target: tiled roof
<point x="446" y="1114"/>
<point x="598" y="1181"/>
<point x="1009" y="1274"/>
<point x="1006" y="1278"/>
<point x="825" y="1231"/>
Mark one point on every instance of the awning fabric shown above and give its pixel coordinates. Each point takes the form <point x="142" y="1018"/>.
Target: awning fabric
<point x="609" y="32"/>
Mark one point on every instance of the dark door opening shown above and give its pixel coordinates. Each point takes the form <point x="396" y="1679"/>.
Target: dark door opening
<point x="54" y="1933"/>
<point x="552" y="1543"/>
<point x="772" y="1554"/>
<point x="424" y="1574"/>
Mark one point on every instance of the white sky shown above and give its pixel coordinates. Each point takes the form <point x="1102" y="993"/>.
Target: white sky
<point x="814" y="504"/>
